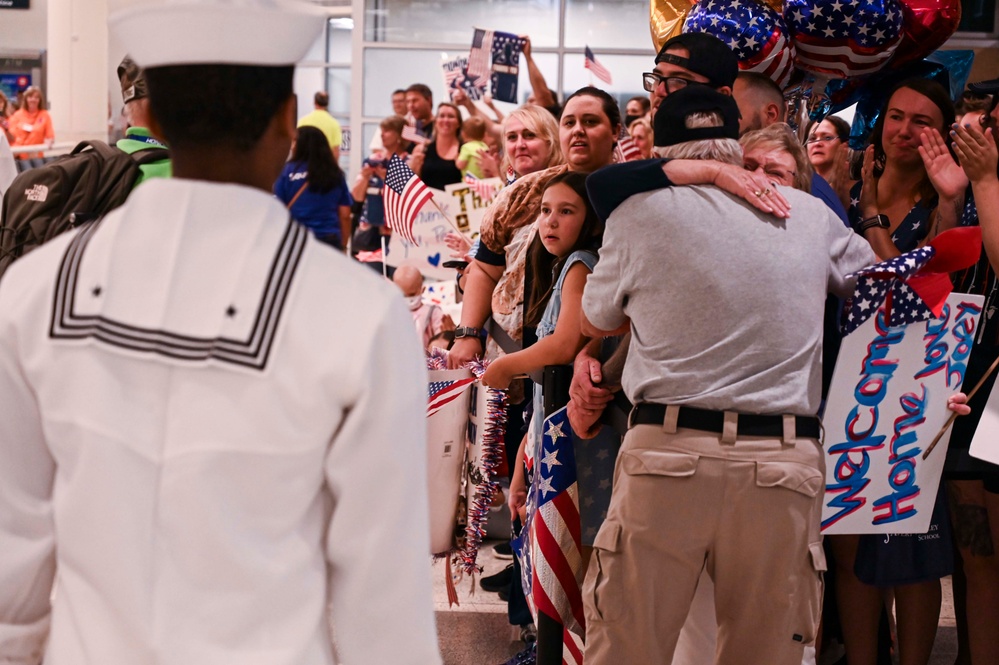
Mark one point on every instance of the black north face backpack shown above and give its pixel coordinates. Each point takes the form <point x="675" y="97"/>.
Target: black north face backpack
<point x="72" y="190"/>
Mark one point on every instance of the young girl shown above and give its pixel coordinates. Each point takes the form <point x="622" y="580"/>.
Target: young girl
<point x="561" y="257"/>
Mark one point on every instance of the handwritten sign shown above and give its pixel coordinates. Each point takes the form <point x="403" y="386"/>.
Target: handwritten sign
<point x="456" y="77"/>
<point x="887" y="401"/>
<point x="465" y="210"/>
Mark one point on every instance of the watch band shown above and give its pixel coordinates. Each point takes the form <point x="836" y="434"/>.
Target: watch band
<point x="876" y="222"/>
<point x="467" y="331"/>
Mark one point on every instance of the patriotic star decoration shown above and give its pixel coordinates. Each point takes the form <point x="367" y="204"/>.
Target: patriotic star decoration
<point x="550" y="459"/>
<point x="756" y="34"/>
<point x="876" y="282"/>
<point x="869" y="23"/>
<point x="554" y="431"/>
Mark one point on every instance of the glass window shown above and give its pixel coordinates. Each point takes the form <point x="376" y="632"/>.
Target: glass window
<point x="338" y="87"/>
<point x="626" y="74"/>
<point x="452" y="21"/>
<point x="338" y="47"/>
<point x="978" y="16"/>
<point x="607" y="24"/>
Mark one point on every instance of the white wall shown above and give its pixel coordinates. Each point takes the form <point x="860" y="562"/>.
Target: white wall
<point x="25" y="29"/>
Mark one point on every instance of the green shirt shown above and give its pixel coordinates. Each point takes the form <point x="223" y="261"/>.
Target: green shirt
<point x="139" y="138"/>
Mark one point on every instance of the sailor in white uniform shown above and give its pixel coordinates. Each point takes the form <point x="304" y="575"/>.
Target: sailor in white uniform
<point x="211" y="425"/>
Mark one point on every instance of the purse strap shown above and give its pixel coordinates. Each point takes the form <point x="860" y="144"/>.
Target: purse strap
<point x="297" y="194"/>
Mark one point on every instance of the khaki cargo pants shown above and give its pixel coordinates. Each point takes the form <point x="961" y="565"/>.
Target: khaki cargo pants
<point x="747" y="509"/>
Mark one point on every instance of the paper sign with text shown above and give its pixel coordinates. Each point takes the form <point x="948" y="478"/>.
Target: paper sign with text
<point x="887" y="401"/>
<point x="985" y="443"/>
<point x="463" y="207"/>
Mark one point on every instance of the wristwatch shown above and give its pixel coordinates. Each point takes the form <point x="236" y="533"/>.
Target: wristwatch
<point x="467" y="331"/>
<point x="875" y="222"/>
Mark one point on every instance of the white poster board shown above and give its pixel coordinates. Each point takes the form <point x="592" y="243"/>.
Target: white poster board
<point x="985" y="443"/>
<point x="887" y="401"/>
<point x="463" y="207"/>
<point x="447" y="429"/>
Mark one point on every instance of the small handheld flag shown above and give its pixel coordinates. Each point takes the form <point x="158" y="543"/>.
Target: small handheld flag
<point x="405" y="195"/>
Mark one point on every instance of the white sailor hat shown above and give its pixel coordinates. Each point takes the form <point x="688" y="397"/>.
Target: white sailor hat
<point x="235" y="32"/>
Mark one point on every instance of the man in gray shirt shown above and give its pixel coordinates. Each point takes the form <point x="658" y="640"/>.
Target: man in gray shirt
<point x="721" y="467"/>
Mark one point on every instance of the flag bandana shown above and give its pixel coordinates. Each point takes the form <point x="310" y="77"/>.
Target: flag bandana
<point x="404" y="195"/>
<point x="506" y="48"/>
<point x="913" y="286"/>
<point x="550" y="540"/>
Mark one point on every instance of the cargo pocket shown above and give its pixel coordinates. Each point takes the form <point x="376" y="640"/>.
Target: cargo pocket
<point x="800" y="478"/>
<point x="809" y="595"/>
<point x="607" y="602"/>
<point x="658" y="463"/>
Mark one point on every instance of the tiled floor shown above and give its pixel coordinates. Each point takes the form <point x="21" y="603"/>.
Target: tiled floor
<point x="476" y="632"/>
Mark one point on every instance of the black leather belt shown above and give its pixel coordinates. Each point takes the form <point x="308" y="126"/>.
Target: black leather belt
<point x="713" y="421"/>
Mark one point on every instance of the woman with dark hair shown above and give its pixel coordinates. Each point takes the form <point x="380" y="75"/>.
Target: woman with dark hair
<point x="434" y="162"/>
<point x="911" y="190"/>
<point x="829" y="152"/>
<point x="314" y="189"/>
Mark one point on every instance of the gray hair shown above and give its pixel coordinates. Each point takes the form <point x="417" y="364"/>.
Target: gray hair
<point x="722" y="150"/>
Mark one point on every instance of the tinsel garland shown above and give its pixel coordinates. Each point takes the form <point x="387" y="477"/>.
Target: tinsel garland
<point x="492" y="454"/>
<point x="465" y="553"/>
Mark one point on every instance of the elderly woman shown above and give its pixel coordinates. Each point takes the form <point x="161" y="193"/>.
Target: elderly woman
<point x="829" y="153"/>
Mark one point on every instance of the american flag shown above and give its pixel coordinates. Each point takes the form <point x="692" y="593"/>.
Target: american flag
<point x="887" y="282"/>
<point x="410" y="133"/>
<point x="844" y="39"/>
<point x="755" y="32"/>
<point x="485" y="190"/>
<point x="556" y="566"/>
<point x="478" y="55"/>
<point x="626" y="150"/>
<point x="405" y="195"/>
<point x="596" y="68"/>
<point x="440" y="393"/>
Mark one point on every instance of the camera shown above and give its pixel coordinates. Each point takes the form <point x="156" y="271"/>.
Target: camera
<point x="376" y="163"/>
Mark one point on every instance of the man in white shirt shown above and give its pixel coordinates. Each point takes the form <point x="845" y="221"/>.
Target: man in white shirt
<point x="205" y="457"/>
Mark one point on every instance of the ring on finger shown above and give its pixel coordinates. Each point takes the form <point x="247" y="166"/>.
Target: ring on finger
<point x="758" y="192"/>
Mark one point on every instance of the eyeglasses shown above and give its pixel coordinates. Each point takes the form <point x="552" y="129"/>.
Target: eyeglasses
<point x="652" y="80"/>
<point x="771" y="171"/>
<point x="821" y="139"/>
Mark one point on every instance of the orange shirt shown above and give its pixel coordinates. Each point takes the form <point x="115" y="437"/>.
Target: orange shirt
<point x="31" y="128"/>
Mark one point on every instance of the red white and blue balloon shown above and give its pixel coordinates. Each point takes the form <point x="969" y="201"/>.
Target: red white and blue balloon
<point x="844" y="38"/>
<point x="753" y="30"/>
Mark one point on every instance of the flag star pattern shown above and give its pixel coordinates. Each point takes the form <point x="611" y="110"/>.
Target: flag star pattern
<point x="844" y="39"/>
<point x="551" y="548"/>
<point x="755" y="32"/>
<point x="404" y="195"/>
<point x="885" y="282"/>
<point x="506" y="48"/>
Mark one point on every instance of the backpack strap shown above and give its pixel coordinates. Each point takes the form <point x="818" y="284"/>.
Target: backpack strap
<point x="150" y="155"/>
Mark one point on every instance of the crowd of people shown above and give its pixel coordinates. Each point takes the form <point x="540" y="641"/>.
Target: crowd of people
<point x="243" y="418"/>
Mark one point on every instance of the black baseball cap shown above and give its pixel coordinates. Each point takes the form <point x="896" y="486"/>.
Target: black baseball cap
<point x="709" y="56"/>
<point x="989" y="87"/>
<point x="133" y="82"/>
<point x="670" y="125"/>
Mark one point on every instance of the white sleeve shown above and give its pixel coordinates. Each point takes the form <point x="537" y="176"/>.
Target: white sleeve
<point x="27" y="553"/>
<point x="378" y="543"/>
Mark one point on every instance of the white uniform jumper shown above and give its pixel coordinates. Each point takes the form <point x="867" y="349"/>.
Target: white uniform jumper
<point x="221" y="423"/>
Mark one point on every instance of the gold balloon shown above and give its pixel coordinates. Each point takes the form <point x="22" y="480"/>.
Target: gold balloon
<point x="666" y="19"/>
<point x="776" y="5"/>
